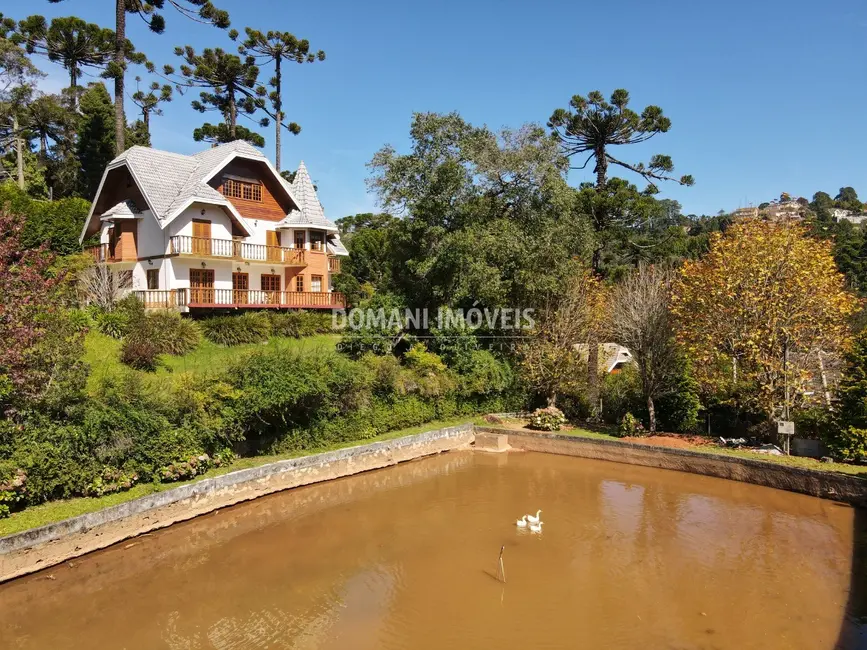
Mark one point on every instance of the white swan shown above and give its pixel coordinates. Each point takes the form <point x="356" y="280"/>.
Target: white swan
<point x="522" y="522"/>
<point x="536" y="528"/>
<point x="532" y="519"/>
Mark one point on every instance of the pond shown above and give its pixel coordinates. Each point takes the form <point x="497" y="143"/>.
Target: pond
<point x="405" y="557"/>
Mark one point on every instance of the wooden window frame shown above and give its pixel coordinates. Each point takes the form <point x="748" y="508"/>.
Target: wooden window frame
<point x="153" y="274"/>
<point x="299" y="284"/>
<point x="244" y="190"/>
<point x="313" y="279"/>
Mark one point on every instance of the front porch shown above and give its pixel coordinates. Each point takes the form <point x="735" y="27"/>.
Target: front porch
<point x="207" y="298"/>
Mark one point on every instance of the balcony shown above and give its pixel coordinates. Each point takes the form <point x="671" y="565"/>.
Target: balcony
<point x="205" y="247"/>
<point x="102" y="254"/>
<point x="204" y="297"/>
<point x="334" y="264"/>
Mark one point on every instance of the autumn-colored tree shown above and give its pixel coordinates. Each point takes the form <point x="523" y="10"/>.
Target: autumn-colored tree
<point x="757" y="311"/>
<point x="553" y="361"/>
<point x="641" y="321"/>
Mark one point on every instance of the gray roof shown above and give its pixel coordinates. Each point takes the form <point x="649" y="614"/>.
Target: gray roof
<point x="123" y="210"/>
<point x="311" y="213"/>
<point x="170" y="180"/>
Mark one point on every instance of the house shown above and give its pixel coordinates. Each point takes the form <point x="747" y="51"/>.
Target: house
<point x="746" y="213"/>
<point x="219" y="229"/>
<point x="612" y="356"/>
<point x="784" y="210"/>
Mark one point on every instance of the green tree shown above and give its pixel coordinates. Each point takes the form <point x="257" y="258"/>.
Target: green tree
<point x="849" y="439"/>
<point x="276" y="47"/>
<point x="70" y="41"/>
<point x="484" y="217"/>
<point x="368" y="238"/>
<point x="47" y="121"/>
<point x="847" y="198"/>
<point x="147" y="10"/>
<point x="233" y="90"/>
<point x="95" y="147"/>
<point x="149" y="102"/>
<point x="17" y="84"/>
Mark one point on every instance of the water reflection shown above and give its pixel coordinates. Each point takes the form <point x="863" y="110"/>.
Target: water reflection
<point x="404" y="557"/>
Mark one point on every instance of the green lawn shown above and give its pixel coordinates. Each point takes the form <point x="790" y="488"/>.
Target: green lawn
<point x="102" y="353"/>
<point x="54" y="511"/>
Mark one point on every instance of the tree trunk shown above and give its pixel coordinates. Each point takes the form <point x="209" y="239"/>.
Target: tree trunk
<point x="552" y="399"/>
<point x="119" y="60"/>
<point x="278" y="105"/>
<point x="824" y="376"/>
<point x="651" y="413"/>
<point x="593" y="347"/>
<point x="593" y="375"/>
<point x="146" y="118"/>
<point x="19" y="148"/>
<point x="233" y="114"/>
<point x="43" y="145"/>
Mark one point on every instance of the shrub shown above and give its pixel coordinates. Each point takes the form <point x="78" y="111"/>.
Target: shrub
<point x="112" y="323"/>
<point x="140" y="353"/>
<point x="110" y="481"/>
<point x="12" y="492"/>
<point x="169" y="331"/>
<point x="630" y="426"/>
<point x="549" y="418"/>
<point x="849" y="444"/>
<point x="621" y="394"/>
<point x="250" y="327"/>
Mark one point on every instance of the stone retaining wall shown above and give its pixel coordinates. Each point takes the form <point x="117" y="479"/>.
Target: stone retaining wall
<point x="826" y="485"/>
<point x="46" y="546"/>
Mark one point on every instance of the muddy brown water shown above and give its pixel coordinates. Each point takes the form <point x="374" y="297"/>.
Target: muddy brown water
<point x="405" y="557"/>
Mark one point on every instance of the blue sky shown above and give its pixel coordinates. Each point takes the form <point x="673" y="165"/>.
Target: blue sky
<point x="765" y="96"/>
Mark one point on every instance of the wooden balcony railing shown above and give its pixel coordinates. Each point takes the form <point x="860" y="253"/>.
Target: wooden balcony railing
<point x="230" y="298"/>
<point x="334" y="265"/>
<point x="162" y="298"/>
<point x="232" y="249"/>
<point x="102" y="254"/>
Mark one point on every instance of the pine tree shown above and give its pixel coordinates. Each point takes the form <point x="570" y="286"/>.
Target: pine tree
<point x="276" y="47"/>
<point x="95" y="137"/>
<point x="232" y="90"/>
<point x="149" y="102"/>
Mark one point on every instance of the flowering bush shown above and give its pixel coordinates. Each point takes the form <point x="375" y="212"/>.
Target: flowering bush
<point x="631" y="426"/>
<point x="549" y="418"/>
<point x="110" y="481"/>
<point x="194" y="466"/>
<point x="12" y="492"/>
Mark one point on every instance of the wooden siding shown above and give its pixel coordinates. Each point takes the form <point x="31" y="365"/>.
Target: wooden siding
<point x="126" y="233"/>
<point x="274" y="204"/>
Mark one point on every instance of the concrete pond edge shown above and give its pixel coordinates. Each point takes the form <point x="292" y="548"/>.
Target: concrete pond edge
<point x="844" y="488"/>
<point x="39" y="548"/>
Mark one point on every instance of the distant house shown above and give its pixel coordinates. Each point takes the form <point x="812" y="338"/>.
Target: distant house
<point x="784" y="211"/>
<point x="218" y="229"/>
<point x="857" y="219"/>
<point x="612" y="356"/>
<point x="746" y="213"/>
<point x="839" y="213"/>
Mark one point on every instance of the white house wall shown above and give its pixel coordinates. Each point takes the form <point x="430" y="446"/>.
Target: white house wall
<point x="151" y="239"/>
<point x="221" y="223"/>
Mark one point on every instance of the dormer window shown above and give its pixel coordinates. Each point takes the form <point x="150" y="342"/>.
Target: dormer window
<point x="237" y="188"/>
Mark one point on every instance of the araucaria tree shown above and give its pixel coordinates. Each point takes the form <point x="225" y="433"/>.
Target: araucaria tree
<point x="71" y="42"/>
<point x="276" y="47"/>
<point x="641" y="321"/>
<point x="759" y="309"/>
<point x="149" y="102"/>
<point x="199" y="10"/>
<point x="594" y="127"/>
<point x="233" y="90"/>
<point x="95" y="148"/>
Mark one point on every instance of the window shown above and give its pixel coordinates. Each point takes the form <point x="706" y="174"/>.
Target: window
<point x="316" y="283"/>
<point x="242" y="189"/>
<point x="299" y="283"/>
<point x="270" y="282"/>
<point x="300" y="239"/>
<point x="153" y="279"/>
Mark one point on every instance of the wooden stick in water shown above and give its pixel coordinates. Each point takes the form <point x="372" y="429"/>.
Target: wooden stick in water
<point x="501" y="569"/>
